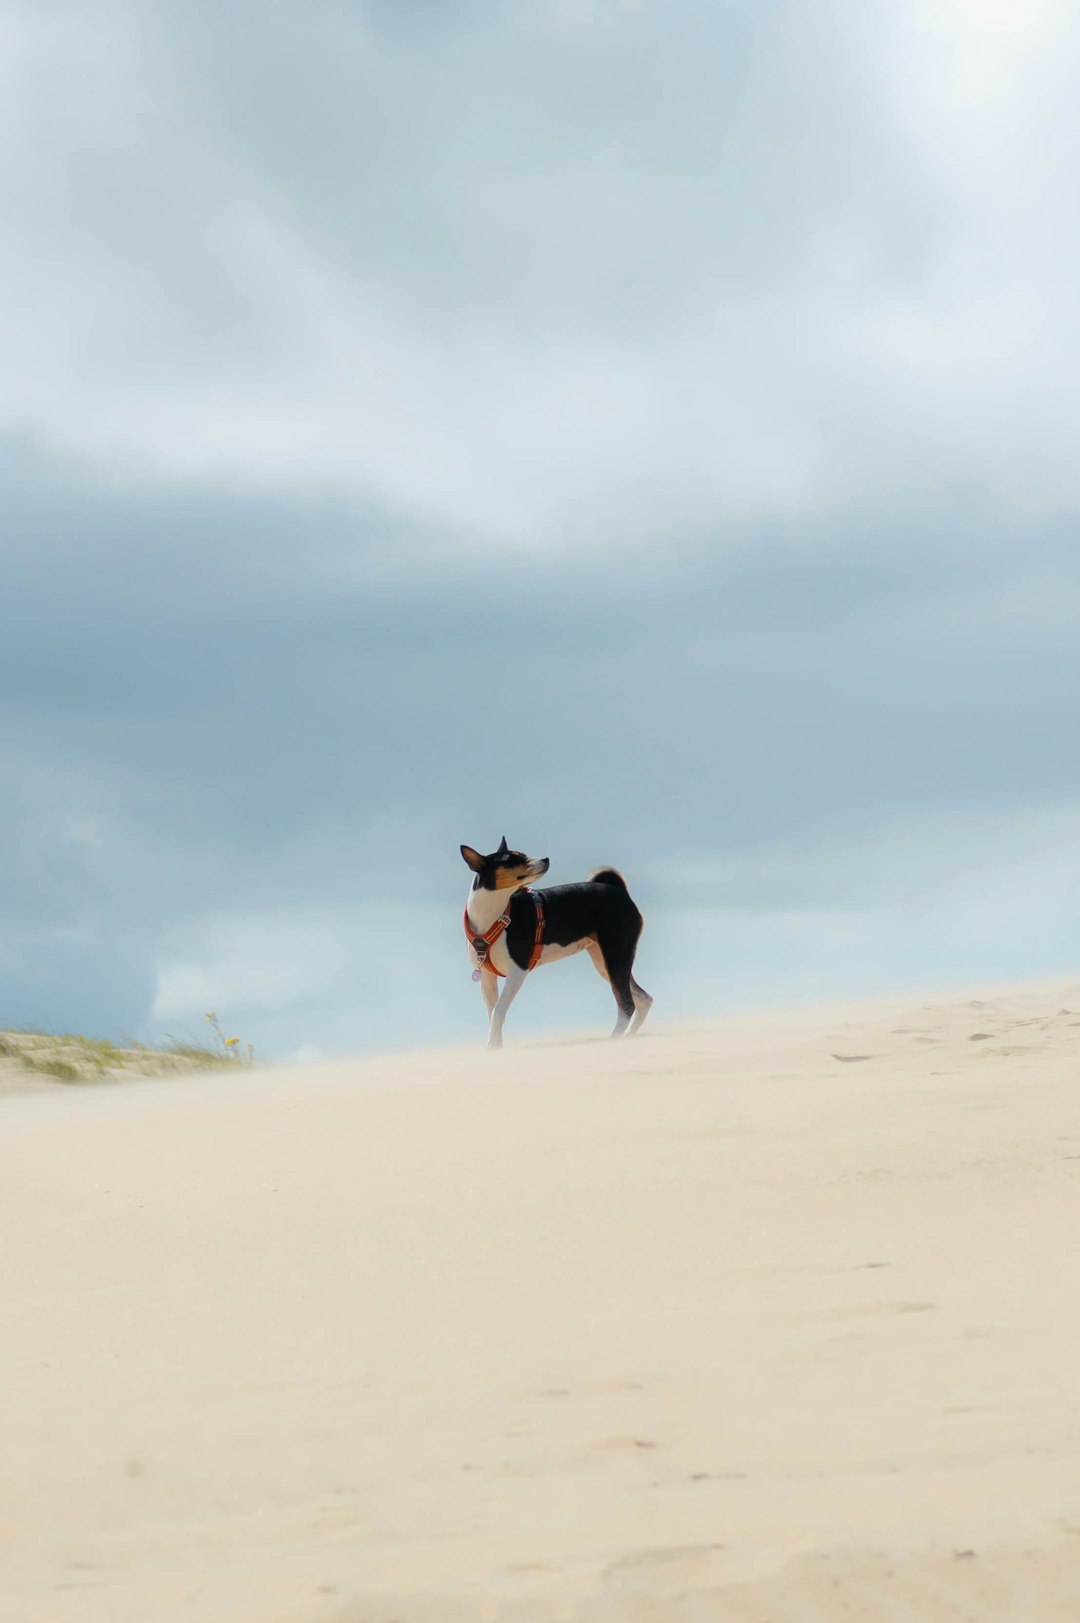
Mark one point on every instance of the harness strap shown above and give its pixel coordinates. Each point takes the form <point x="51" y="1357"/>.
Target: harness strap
<point x="538" y="942"/>
<point x="482" y="941"/>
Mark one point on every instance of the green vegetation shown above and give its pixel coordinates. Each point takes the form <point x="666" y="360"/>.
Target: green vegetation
<point x="66" y="1057"/>
<point x="194" y="1054"/>
<point x="62" y="1069"/>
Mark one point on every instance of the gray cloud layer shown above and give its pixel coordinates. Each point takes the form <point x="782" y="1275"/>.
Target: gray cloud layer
<point x="648" y="431"/>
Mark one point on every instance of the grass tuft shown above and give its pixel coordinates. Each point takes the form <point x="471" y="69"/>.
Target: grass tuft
<point x="195" y="1054"/>
<point x="68" y="1057"/>
<point x="62" y="1069"/>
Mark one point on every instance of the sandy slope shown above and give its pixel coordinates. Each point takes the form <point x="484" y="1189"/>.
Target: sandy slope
<point x="772" y="1319"/>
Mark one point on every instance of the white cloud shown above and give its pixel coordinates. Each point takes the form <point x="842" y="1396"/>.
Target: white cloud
<point x="365" y="976"/>
<point x="843" y="287"/>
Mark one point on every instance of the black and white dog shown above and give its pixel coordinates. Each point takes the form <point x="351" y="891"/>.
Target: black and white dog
<point x="511" y="930"/>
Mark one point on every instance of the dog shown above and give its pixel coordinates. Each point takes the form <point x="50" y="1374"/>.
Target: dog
<point x="512" y="929"/>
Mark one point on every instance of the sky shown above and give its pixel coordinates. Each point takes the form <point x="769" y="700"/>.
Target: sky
<point x="645" y="431"/>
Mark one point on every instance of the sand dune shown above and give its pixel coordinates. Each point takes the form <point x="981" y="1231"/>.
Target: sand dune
<point x="775" y="1318"/>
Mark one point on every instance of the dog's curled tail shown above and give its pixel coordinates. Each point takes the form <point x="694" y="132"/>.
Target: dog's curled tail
<point x="608" y="876"/>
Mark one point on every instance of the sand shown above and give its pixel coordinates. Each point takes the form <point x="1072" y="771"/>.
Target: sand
<point x="770" y="1319"/>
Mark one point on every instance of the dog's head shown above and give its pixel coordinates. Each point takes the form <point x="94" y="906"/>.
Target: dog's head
<point x="504" y="869"/>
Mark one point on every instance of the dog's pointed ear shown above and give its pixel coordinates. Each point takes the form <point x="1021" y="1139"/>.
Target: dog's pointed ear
<point x="473" y="858"/>
<point x="503" y="849"/>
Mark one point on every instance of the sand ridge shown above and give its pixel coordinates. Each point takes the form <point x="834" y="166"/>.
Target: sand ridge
<point x="773" y="1318"/>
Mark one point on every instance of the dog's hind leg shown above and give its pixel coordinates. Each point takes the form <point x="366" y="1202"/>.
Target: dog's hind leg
<point x="642" y="1004"/>
<point x="511" y="986"/>
<point x="609" y="964"/>
<point x="593" y="950"/>
<point x="624" y="998"/>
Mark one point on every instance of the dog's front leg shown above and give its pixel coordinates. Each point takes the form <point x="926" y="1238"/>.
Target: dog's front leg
<point x="512" y="984"/>
<point x="489" y="986"/>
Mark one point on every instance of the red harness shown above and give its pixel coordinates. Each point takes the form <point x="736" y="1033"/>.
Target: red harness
<point x="482" y="943"/>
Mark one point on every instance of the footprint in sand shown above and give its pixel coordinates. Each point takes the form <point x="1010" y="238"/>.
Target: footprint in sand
<point x="611" y="1386"/>
<point x="619" y="1445"/>
<point x="862" y="1310"/>
<point x="660" y="1555"/>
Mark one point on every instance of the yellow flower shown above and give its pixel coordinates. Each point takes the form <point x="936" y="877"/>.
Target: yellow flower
<point x="230" y="1040"/>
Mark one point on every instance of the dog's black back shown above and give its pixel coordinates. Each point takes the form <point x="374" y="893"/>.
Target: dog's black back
<point x="600" y="909"/>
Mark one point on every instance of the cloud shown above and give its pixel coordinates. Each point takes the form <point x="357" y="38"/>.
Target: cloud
<point x="562" y="276"/>
<point x="223" y="782"/>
